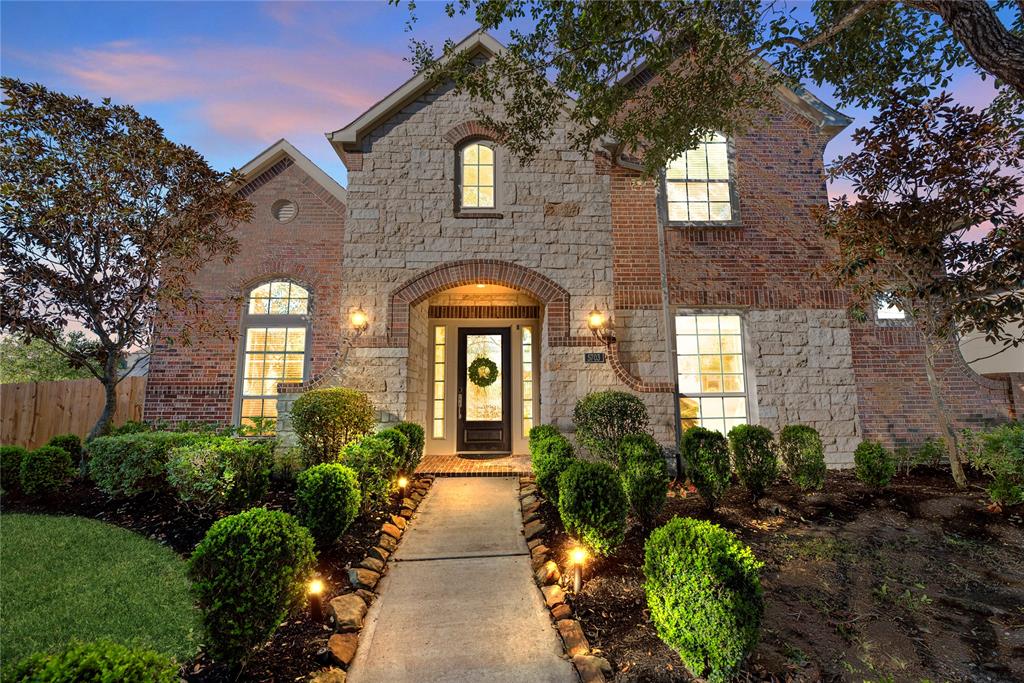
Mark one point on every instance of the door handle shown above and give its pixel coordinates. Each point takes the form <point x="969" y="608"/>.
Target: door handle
<point x="459" y="403"/>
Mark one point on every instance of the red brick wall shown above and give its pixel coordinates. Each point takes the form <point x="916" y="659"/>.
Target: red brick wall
<point x="197" y="381"/>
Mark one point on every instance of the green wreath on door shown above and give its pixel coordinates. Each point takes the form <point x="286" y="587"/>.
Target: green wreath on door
<point x="483" y="372"/>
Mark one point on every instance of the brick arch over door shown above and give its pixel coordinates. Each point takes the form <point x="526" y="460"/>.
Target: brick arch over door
<point x="479" y="271"/>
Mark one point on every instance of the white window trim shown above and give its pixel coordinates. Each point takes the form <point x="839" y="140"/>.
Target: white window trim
<point x="477" y="211"/>
<point x="734" y="199"/>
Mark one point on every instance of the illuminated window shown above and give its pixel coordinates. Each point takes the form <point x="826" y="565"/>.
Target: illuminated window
<point x="697" y="184"/>
<point x="439" y="350"/>
<point x="476" y="176"/>
<point x="276" y="337"/>
<point x="712" y="385"/>
<point x="527" y="379"/>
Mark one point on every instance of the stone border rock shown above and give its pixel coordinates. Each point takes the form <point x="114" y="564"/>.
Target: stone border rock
<point x="346" y="612"/>
<point x="546" y="572"/>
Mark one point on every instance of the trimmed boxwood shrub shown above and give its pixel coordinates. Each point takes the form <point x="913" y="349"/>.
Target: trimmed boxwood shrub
<point x="803" y="456"/>
<point x="637" y="448"/>
<point x="704" y="595"/>
<point x="414" y="433"/>
<point x="249" y="572"/>
<point x="549" y="458"/>
<point x="646" y="486"/>
<point x="399" y="447"/>
<point x="592" y="505"/>
<point x="73" y="445"/>
<point x="326" y="420"/>
<point x="10" y="466"/>
<point x="753" y="451"/>
<point x="999" y="453"/>
<point x="44" y="470"/>
<point x="541" y="432"/>
<point x="129" y="464"/>
<point x="873" y="464"/>
<point x="374" y="463"/>
<point x="100" y="661"/>
<point x="603" y="418"/>
<point x="706" y="454"/>
<point x="130" y="427"/>
<point x="221" y="472"/>
<point x="328" y="500"/>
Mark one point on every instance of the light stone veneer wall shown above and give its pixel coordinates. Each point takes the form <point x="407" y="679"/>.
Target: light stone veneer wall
<point x="803" y="367"/>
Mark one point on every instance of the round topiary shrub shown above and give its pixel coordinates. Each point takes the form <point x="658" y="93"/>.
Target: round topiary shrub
<point x="325" y="420"/>
<point x="873" y="464"/>
<point x="549" y="458"/>
<point x="97" y="662"/>
<point x="44" y="470"/>
<point x="803" y="456"/>
<point x="414" y="433"/>
<point x="637" y="448"/>
<point x="753" y="451"/>
<point x="249" y="572"/>
<point x="73" y="445"/>
<point x="704" y="595"/>
<point x="328" y="500"/>
<point x="706" y="455"/>
<point x="646" y="486"/>
<point x="10" y="466"/>
<point x="603" y="418"/>
<point x="399" y="447"/>
<point x="541" y="432"/>
<point x="592" y="505"/>
<point x="374" y="464"/>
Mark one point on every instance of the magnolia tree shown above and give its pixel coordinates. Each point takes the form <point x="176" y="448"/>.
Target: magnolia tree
<point x="656" y="77"/>
<point x="102" y="222"/>
<point x="935" y="227"/>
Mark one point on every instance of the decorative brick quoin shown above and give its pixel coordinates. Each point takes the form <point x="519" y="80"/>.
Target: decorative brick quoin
<point x="455" y="251"/>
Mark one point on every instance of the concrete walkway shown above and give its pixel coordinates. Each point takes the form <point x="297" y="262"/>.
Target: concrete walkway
<point x="458" y="602"/>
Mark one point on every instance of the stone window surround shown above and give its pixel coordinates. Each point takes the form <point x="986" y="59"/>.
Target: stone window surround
<point x="248" y="320"/>
<point x="734" y="199"/>
<point x="749" y="351"/>
<point x="477" y="212"/>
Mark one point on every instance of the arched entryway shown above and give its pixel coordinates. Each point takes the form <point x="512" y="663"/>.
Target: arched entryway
<point x="474" y="332"/>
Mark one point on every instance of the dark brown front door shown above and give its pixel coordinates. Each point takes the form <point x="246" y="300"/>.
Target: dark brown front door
<point x="485" y="400"/>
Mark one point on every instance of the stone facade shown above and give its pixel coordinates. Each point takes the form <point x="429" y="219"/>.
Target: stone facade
<point x="570" y="233"/>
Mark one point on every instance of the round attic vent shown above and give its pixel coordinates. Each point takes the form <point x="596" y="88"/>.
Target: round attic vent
<point x="284" y="210"/>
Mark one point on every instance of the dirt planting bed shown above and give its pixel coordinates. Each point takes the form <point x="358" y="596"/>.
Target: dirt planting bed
<point x="916" y="582"/>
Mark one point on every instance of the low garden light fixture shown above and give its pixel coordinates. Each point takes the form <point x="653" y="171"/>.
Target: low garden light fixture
<point x="578" y="557"/>
<point x="360" y="321"/>
<point x="316" y="605"/>
<point x="598" y="323"/>
<point x="402" y="483"/>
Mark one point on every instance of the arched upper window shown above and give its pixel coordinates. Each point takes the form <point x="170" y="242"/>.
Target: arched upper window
<point x="698" y="184"/>
<point x="476" y="175"/>
<point x="275" y="332"/>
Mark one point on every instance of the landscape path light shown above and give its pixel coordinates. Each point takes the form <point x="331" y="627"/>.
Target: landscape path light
<point x="578" y="556"/>
<point x="402" y="483"/>
<point x="316" y="605"/>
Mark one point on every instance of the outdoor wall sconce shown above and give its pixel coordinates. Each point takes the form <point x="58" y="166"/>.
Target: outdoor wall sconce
<point x="578" y="556"/>
<point x="360" y="321"/>
<point x="316" y="605"/>
<point x="597" y="321"/>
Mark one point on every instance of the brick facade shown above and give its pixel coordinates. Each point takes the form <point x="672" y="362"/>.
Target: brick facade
<point x="570" y="233"/>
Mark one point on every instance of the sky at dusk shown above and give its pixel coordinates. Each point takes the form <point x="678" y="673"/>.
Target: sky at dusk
<point x="230" y="78"/>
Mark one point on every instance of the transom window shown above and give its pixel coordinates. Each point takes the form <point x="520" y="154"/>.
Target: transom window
<point x="276" y="339"/>
<point x="697" y="183"/>
<point x="476" y="176"/>
<point x="712" y="383"/>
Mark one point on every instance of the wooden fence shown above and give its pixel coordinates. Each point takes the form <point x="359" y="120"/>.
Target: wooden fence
<point x="32" y="412"/>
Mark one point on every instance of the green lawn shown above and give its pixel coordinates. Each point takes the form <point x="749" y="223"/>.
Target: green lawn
<point x="69" y="577"/>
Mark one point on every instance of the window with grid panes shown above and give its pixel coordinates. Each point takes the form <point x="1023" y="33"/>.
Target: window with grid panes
<point x="712" y="383"/>
<point x="698" y="188"/>
<point x="476" y="176"/>
<point x="275" y="347"/>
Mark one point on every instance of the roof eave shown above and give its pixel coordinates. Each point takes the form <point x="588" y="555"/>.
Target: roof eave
<point x="282" y="148"/>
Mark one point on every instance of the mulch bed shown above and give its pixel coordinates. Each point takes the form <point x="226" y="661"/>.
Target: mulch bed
<point x="296" y="649"/>
<point x="919" y="581"/>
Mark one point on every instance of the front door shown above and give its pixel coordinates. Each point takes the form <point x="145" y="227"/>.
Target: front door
<point x="485" y="390"/>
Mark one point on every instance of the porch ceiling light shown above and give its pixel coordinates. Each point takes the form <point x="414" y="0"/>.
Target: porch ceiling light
<point x="597" y="321"/>
<point x="359" y="320"/>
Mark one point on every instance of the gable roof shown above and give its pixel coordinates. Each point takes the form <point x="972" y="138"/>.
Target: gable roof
<point x="283" y="149"/>
<point x="829" y="120"/>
